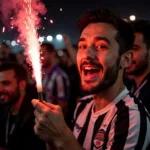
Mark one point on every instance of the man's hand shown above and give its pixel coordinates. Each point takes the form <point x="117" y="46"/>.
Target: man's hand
<point x="49" y="122"/>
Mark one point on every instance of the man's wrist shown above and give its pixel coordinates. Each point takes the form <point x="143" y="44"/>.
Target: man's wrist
<point x="63" y="141"/>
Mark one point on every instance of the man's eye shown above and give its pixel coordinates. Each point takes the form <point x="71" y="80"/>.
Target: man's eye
<point x="136" y="48"/>
<point x="6" y="82"/>
<point x="82" y="47"/>
<point x="101" y="46"/>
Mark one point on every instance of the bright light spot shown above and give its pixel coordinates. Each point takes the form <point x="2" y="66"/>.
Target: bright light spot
<point x="41" y="39"/>
<point x="13" y="43"/>
<point x="12" y="27"/>
<point x="3" y="30"/>
<point x="132" y="17"/>
<point x="43" y="28"/>
<point x="45" y="18"/>
<point x="60" y="9"/>
<point x="18" y="41"/>
<point x="59" y="37"/>
<point x="60" y="53"/>
<point x="49" y="38"/>
<point x="51" y="21"/>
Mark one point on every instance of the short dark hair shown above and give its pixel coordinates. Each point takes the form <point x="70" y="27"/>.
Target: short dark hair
<point x="143" y="27"/>
<point x="125" y="36"/>
<point x="20" y="71"/>
<point x="50" y="47"/>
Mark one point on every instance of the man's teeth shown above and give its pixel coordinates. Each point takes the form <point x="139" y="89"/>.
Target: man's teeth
<point x="89" y="68"/>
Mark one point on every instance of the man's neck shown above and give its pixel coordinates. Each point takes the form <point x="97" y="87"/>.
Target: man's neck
<point x="140" y="78"/>
<point x="102" y="99"/>
<point x="16" y="107"/>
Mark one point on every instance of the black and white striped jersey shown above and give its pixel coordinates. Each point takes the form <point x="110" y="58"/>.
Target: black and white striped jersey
<point x="142" y="92"/>
<point x="124" y="124"/>
<point x="56" y="85"/>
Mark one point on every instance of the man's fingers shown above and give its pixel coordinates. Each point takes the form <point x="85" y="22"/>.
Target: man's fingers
<point x="40" y="106"/>
<point x="37" y="113"/>
<point x="51" y="106"/>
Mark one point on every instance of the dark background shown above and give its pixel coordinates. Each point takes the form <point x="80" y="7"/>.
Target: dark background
<point x="65" y="20"/>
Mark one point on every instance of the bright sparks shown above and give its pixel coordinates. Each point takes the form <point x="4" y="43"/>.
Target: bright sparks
<point x="3" y="30"/>
<point x="51" y="21"/>
<point x="32" y="44"/>
<point x="24" y="15"/>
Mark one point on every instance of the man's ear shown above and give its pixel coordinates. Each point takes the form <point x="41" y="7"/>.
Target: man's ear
<point x="126" y="59"/>
<point x="22" y="85"/>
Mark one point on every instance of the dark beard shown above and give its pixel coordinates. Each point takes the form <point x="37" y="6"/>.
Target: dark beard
<point x="110" y="78"/>
<point x="141" y="69"/>
<point x="12" y="98"/>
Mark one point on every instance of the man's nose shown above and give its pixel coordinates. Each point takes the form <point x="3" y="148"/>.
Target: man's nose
<point x="91" y="52"/>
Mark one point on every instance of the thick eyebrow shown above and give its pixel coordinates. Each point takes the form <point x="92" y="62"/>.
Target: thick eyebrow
<point x="102" y="39"/>
<point x="96" y="39"/>
<point x="135" y="45"/>
<point x="81" y="39"/>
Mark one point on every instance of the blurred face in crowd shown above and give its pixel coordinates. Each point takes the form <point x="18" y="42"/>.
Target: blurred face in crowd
<point x="9" y="88"/>
<point x="98" y="57"/>
<point x="65" y="59"/>
<point x="140" y="56"/>
<point x="4" y="50"/>
<point x="46" y="57"/>
<point x="21" y="58"/>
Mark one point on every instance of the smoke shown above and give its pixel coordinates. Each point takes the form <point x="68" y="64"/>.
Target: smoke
<point x="19" y="12"/>
<point x="25" y="16"/>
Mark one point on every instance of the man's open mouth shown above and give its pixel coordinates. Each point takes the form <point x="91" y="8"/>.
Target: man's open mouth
<point x="90" y="70"/>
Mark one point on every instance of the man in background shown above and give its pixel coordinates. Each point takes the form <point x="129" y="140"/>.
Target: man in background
<point x="56" y="82"/>
<point x="139" y="69"/>
<point x="16" y="111"/>
<point x="6" y="54"/>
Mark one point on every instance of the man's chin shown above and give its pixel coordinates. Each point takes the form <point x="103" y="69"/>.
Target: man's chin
<point x="133" y="73"/>
<point x="89" y="88"/>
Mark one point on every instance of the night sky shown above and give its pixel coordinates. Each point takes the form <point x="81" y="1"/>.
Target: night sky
<point x="64" y="22"/>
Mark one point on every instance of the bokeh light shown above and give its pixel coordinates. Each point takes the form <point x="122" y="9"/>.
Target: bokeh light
<point x="13" y="43"/>
<point x="59" y="37"/>
<point x="132" y="17"/>
<point x="49" y="38"/>
<point x="41" y="39"/>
